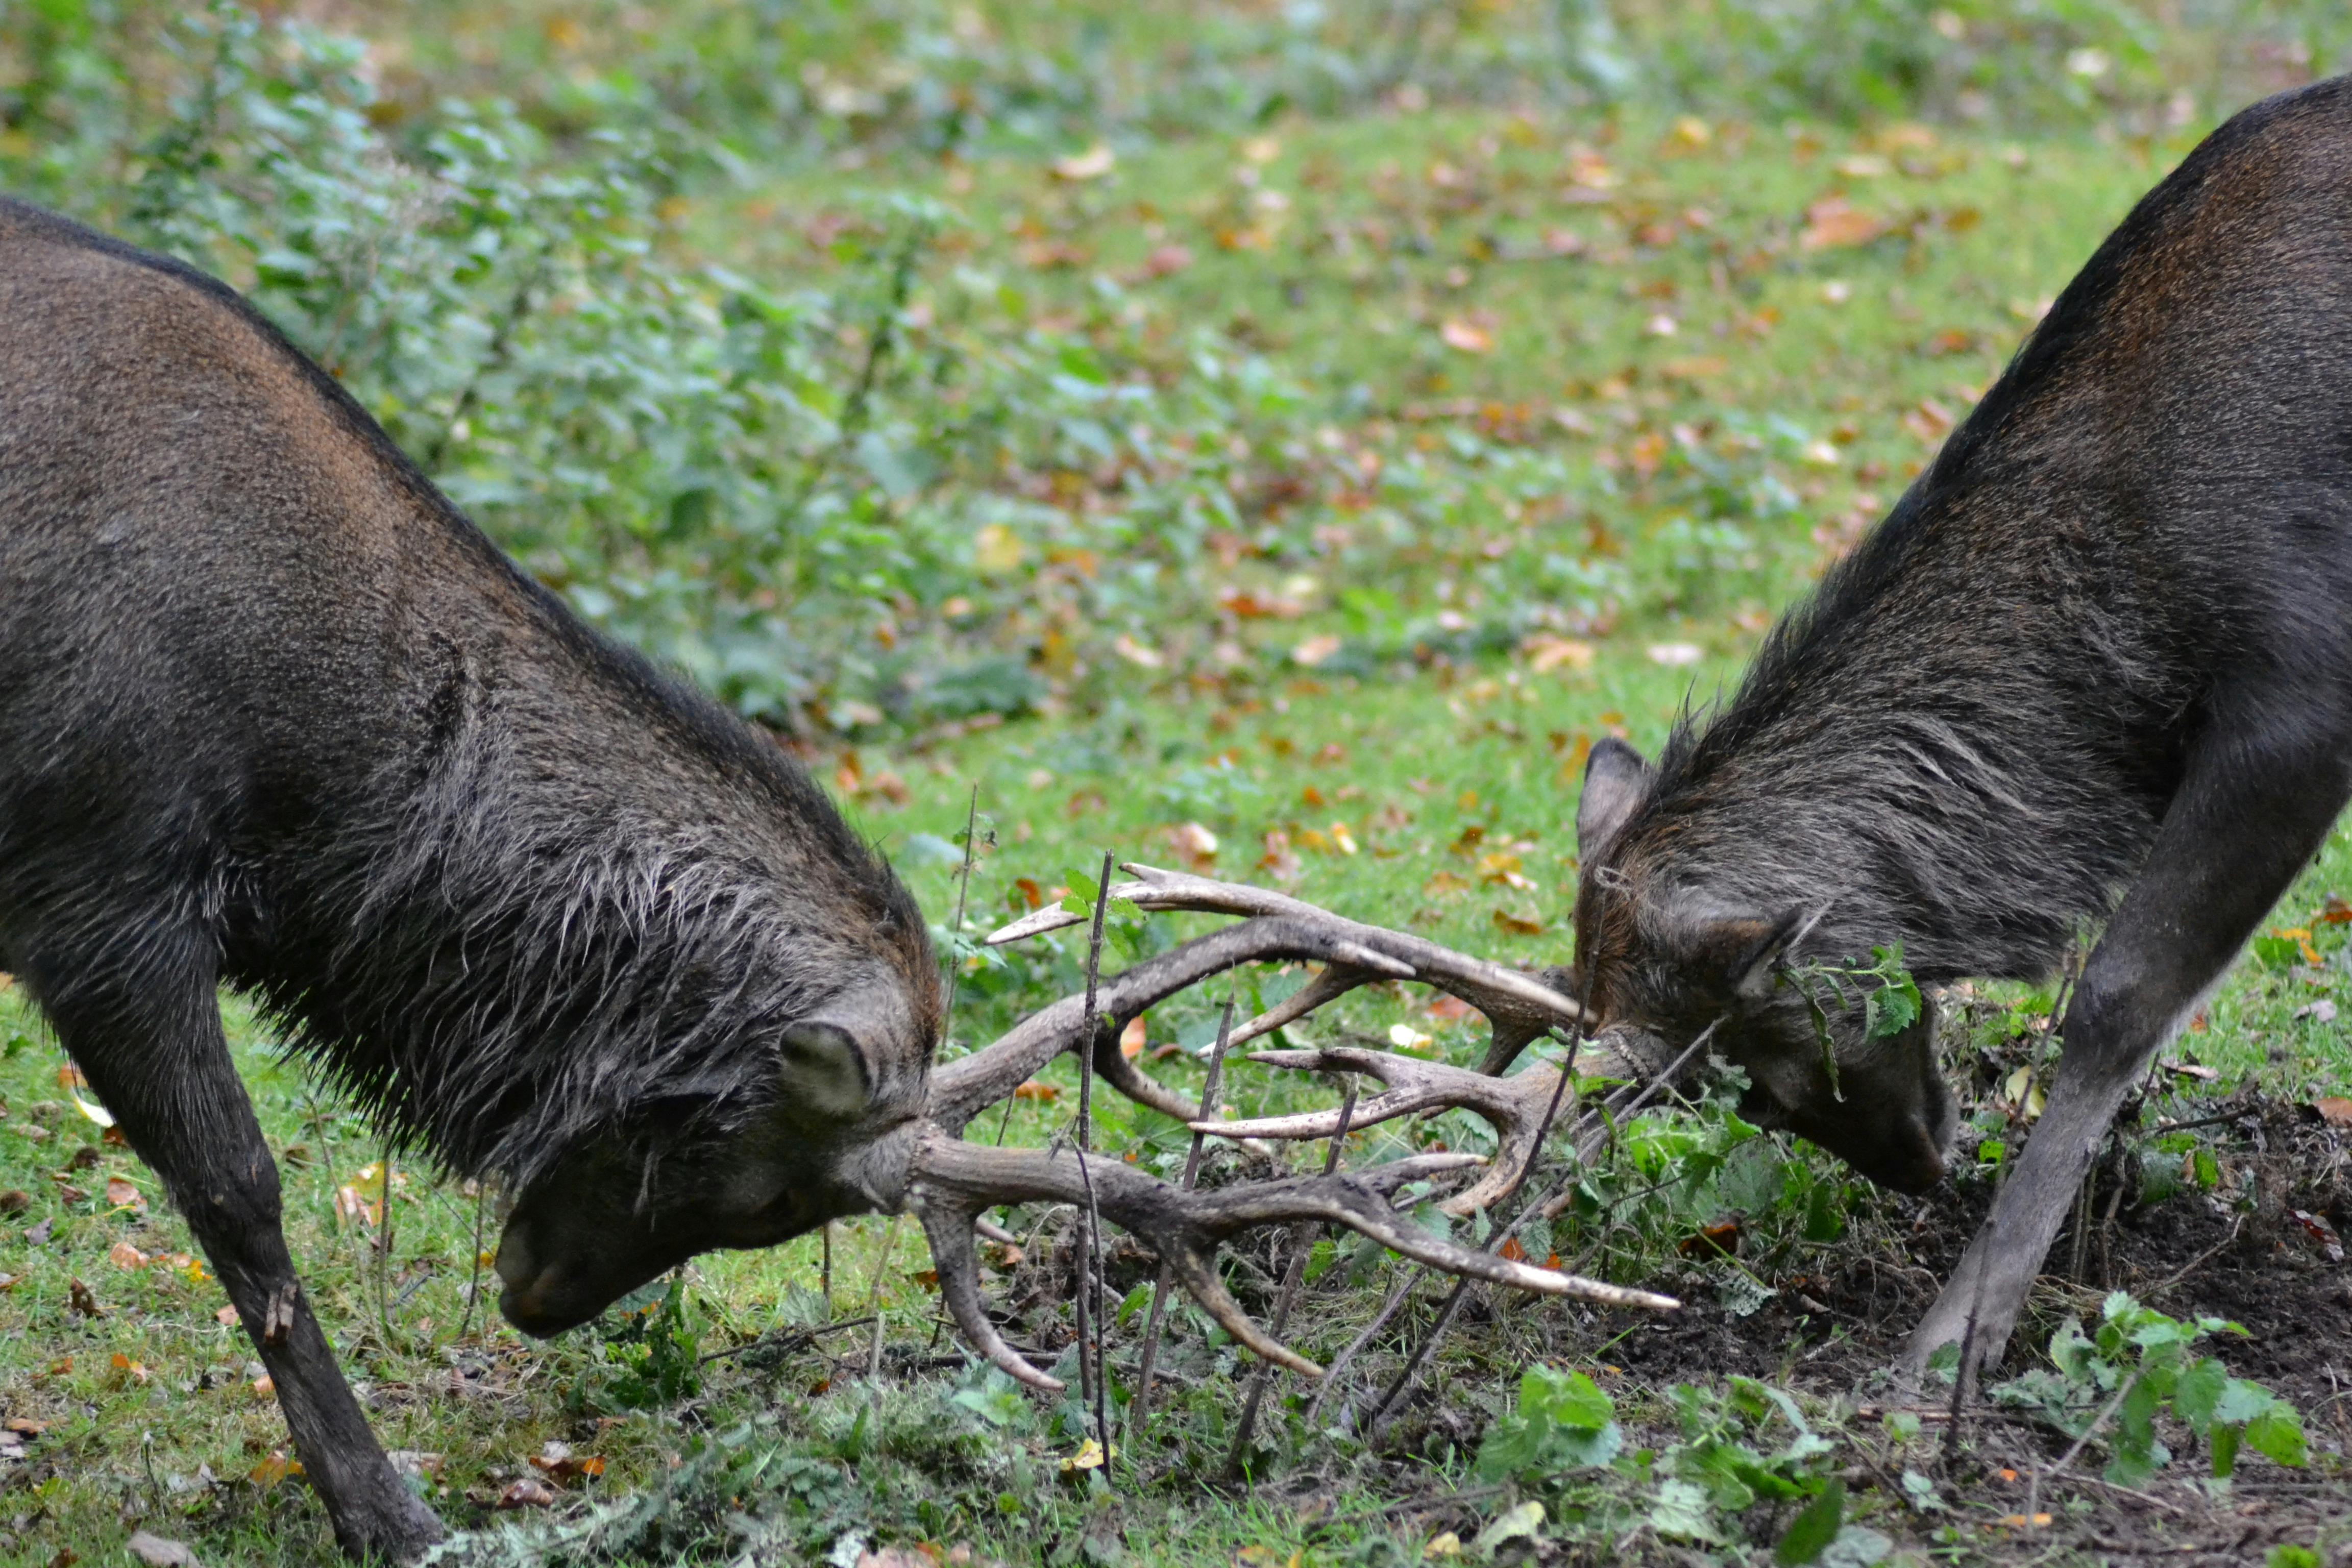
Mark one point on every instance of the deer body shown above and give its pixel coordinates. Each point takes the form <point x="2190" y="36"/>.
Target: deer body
<point x="273" y="715"/>
<point x="2095" y="666"/>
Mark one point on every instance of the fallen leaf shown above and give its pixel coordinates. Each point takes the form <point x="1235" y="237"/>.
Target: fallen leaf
<point x="135" y="1371"/>
<point x="1467" y="336"/>
<point x="2202" y="1073"/>
<point x="226" y="1318"/>
<point x="2337" y="912"/>
<point x="15" y="1200"/>
<point x="2321" y="1234"/>
<point x="1405" y="1037"/>
<point x="1136" y="653"/>
<point x="1512" y="1250"/>
<point x="24" y="1425"/>
<point x="1546" y="653"/>
<point x="2335" y="1112"/>
<point x="123" y="1195"/>
<point x="1517" y="925"/>
<point x="1315" y="650"/>
<point x="1089" y="1457"/>
<point x="1446" y="1544"/>
<point x="1194" y="842"/>
<point x="1712" y="1241"/>
<point x="1033" y="1090"/>
<point x="83" y="1303"/>
<point x="1834" y="224"/>
<point x="122" y="1255"/>
<point x="157" y="1551"/>
<point x="1131" y="1039"/>
<point x="69" y="1078"/>
<point x="1167" y="259"/>
<point x="527" y="1492"/>
<point x="1031" y="893"/>
<point x="264" y="1387"/>
<point x="2322" y="1011"/>
<point x="1091" y="164"/>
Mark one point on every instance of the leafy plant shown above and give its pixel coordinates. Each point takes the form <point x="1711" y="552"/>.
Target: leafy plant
<point x="1562" y="1422"/>
<point x="2139" y="1365"/>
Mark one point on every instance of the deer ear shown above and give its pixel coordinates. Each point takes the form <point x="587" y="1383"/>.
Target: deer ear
<point x="1615" y="780"/>
<point x="1740" y="953"/>
<point x="824" y="1072"/>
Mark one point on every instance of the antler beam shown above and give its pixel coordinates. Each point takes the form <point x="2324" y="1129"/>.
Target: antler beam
<point x="951" y="1182"/>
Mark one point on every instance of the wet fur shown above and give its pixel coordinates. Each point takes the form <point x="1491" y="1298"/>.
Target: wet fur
<point x="273" y="715"/>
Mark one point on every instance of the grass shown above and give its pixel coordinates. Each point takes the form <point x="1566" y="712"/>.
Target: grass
<point x="1707" y="353"/>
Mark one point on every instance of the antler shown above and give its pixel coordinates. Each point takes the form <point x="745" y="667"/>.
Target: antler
<point x="951" y="1182"/>
<point x="1519" y="1007"/>
<point x="1514" y="1107"/>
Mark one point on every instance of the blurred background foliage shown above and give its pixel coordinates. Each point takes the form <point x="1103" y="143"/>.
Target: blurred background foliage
<point x="875" y="485"/>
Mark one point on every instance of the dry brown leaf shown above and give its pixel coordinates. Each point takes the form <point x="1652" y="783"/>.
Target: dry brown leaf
<point x="121" y="1194"/>
<point x="84" y="1304"/>
<point x="1467" y="336"/>
<point x="1833" y="223"/>
<point x="122" y="1255"/>
<point x="527" y="1492"/>
<point x="2335" y="1111"/>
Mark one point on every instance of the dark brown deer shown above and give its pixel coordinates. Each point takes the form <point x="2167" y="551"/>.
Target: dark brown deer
<point x="2095" y="666"/>
<point x="273" y="715"/>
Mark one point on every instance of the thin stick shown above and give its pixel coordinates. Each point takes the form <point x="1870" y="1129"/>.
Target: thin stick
<point x="1089" y="1302"/>
<point x="873" y="1303"/>
<point x="963" y="896"/>
<point x="1393" y="1400"/>
<point x="2034" y="1493"/>
<point x="383" y="1246"/>
<point x="474" y="1284"/>
<point x="785" y="1343"/>
<point x="1965" y="1372"/>
<point x="1139" y="1406"/>
<point x="1406" y="1279"/>
<point x="824" y="1269"/>
<point x="1302" y="1239"/>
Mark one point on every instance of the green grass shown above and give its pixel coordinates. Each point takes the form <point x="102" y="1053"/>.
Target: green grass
<point x="1413" y="778"/>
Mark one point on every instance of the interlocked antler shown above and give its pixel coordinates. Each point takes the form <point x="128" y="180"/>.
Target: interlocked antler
<point x="1519" y="1007"/>
<point x="1516" y="1108"/>
<point x="951" y="1182"/>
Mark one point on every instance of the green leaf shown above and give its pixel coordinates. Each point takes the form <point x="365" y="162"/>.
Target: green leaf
<point x="2223" y="1445"/>
<point x="2277" y="1434"/>
<point x="1681" y="1512"/>
<point x="1811" y="1532"/>
<point x="1566" y="1398"/>
<point x="2197" y="1392"/>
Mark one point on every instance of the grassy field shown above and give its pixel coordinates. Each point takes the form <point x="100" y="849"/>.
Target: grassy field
<point x="1553" y="410"/>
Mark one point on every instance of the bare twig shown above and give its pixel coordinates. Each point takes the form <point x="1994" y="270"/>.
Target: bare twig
<point x="963" y="897"/>
<point x="1406" y="1278"/>
<point x="1302" y="1238"/>
<point x="787" y="1342"/>
<point x="874" y="1301"/>
<point x="1139" y="1406"/>
<point x="474" y="1284"/>
<point x="1090" y="1301"/>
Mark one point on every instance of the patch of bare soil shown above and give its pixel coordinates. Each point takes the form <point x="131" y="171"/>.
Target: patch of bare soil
<point x="2262" y="1249"/>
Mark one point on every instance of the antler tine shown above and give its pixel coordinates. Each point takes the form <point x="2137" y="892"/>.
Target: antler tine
<point x="951" y="1181"/>
<point x="1501" y="994"/>
<point x="1514" y="1107"/>
<point x="959" y="1089"/>
<point x="949" y="1228"/>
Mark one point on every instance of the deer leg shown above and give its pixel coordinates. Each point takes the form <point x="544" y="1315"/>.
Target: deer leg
<point x="156" y="1056"/>
<point x="2247" y="818"/>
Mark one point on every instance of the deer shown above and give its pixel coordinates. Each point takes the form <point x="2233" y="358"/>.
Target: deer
<point x="276" y="717"/>
<point x="2091" y="672"/>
